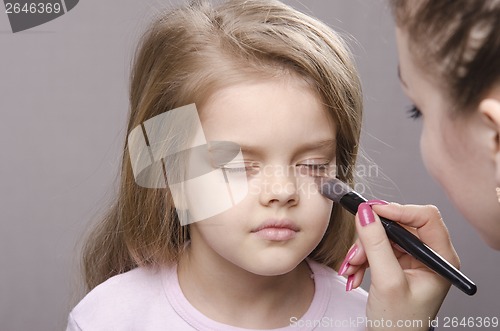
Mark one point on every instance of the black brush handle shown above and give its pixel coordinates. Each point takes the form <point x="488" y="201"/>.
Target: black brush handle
<point x="420" y="251"/>
<point x="415" y="247"/>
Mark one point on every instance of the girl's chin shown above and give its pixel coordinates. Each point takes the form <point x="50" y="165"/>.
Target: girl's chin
<point x="272" y="266"/>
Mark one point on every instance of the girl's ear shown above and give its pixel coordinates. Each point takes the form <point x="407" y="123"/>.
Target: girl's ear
<point x="490" y="110"/>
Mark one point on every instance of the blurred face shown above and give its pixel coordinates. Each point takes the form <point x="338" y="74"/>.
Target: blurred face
<point x="454" y="148"/>
<point x="285" y="136"/>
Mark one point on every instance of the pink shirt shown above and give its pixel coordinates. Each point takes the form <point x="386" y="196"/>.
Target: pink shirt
<point x="145" y="300"/>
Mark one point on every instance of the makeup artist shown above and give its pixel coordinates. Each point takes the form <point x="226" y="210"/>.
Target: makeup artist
<point x="449" y="66"/>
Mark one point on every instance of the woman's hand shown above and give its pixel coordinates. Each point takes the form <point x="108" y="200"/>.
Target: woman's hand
<point x="402" y="289"/>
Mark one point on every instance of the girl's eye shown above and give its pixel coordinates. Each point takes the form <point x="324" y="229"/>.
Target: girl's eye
<point x="414" y="112"/>
<point x="314" y="169"/>
<point x="240" y="167"/>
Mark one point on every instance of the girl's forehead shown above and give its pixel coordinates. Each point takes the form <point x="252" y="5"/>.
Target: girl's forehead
<point x="227" y="90"/>
<point x="270" y="94"/>
<point x="266" y="111"/>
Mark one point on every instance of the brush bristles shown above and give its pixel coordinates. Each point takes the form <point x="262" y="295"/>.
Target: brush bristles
<point x="333" y="188"/>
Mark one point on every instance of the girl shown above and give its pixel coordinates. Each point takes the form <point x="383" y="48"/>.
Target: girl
<point x="269" y="93"/>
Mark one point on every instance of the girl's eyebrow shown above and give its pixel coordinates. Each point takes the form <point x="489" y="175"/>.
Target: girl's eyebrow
<point x="327" y="146"/>
<point x="218" y="148"/>
<point x="247" y="150"/>
<point x="323" y="145"/>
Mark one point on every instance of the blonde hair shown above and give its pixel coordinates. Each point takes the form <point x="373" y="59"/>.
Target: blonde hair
<point x="186" y="55"/>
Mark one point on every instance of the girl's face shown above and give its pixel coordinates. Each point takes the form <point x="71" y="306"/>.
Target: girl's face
<point x="285" y="135"/>
<point x="455" y="150"/>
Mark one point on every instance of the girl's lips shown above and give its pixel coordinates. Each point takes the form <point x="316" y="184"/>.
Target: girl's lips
<point x="276" y="234"/>
<point x="276" y="230"/>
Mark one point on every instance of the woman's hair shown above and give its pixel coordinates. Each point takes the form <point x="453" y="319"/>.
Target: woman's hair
<point x="457" y="41"/>
<point x="186" y="55"/>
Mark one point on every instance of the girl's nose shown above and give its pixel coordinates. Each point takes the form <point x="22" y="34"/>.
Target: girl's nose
<point x="279" y="187"/>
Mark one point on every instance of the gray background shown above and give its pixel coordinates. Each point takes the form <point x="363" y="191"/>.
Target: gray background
<point x="63" y="103"/>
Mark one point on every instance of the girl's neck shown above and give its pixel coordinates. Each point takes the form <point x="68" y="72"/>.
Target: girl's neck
<point x="231" y="295"/>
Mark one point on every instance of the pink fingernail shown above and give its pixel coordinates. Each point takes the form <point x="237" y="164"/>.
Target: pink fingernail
<point x="377" y="202"/>
<point x="350" y="281"/>
<point x="365" y="214"/>
<point x="345" y="264"/>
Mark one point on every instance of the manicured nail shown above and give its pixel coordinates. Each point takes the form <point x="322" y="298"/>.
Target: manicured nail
<point x="345" y="264"/>
<point x="365" y="214"/>
<point x="350" y="281"/>
<point x="377" y="202"/>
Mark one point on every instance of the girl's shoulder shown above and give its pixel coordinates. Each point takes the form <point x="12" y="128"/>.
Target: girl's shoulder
<point x="136" y="281"/>
<point x="137" y="292"/>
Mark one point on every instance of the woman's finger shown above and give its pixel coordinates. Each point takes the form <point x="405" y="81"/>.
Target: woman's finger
<point x="378" y="249"/>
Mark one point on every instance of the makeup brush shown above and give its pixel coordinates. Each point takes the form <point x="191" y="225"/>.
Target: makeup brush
<point x="336" y="190"/>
